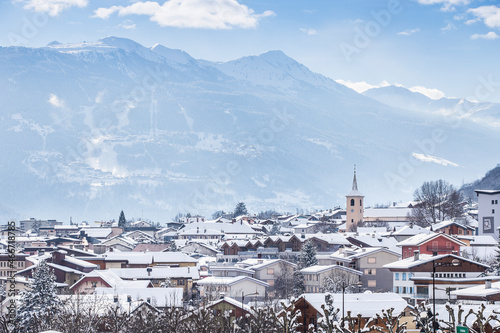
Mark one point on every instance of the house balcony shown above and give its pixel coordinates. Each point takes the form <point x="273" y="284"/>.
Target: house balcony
<point x="440" y="249"/>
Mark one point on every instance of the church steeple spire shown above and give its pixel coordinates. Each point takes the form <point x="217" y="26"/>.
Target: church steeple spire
<point x="354" y="181"/>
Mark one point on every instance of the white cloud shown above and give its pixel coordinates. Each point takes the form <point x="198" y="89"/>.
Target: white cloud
<point x="53" y="7"/>
<point x="472" y="21"/>
<point x="489" y="14"/>
<point x="56" y="101"/>
<point x="432" y="93"/>
<point x="202" y="14"/>
<point x="433" y="159"/>
<point x="362" y="86"/>
<point x="409" y="32"/>
<point x="309" y="31"/>
<point x="489" y="35"/>
<point x="447" y="5"/>
<point x="128" y="24"/>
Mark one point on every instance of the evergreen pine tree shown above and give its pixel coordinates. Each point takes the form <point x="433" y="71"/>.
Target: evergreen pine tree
<point x="298" y="283"/>
<point x="122" y="222"/>
<point x="275" y="230"/>
<point x="307" y="256"/>
<point x="240" y="209"/>
<point x="39" y="301"/>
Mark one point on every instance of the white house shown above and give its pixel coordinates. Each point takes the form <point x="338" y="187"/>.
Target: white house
<point x="488" y="212"/>
<point x="235" y="287"/>
<point x="413" y="280"/>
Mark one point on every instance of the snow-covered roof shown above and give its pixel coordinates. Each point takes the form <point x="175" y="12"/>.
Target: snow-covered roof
<point x="371" y="250"/>
<point x="229" y="281"/>
<point x="410" y="230"/>
<point x="270" y="262"/>
<point x="422" y="238"/>
<point x="79" y="262"/>
<point x="388" y="242"/>
<point x="160" y="297"/>
<point x="332" y="238"/>
<point x="423" y="259"/>
<point x="367" y="304"/>
<point x="392" y="212"/>
<point x="479" y="291"/>
<point x="481" y="240"/>
<point x="113" y="280"/>
<point x="320" y="269"/>
<point x="232" y="268"/>
<point x="240" y="227"/>
<point x="231" y="301"/>
<point x="149" y="257"/>
<point x="372" y="230"/>
<point x="156" y="272"/>
<point x="97" y="232"/>
<point x="444" y="224"/>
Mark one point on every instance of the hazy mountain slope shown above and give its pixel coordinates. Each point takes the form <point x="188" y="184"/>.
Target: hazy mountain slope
<point x="491" y="181"/>
<point x="90" y="129"/>
<point x="487" y="114"/>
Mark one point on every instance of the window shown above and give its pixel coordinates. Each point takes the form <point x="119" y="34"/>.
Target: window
<point x="270" y="282"/>
<point x="411" y="290"/>
<point x="492" y="202"/>
<point x="370" y="271"/>
<point x="270" y="271"/>
<point x="361" y="202"/>
<point x="396" y="276"/>
<point x="448" y="245"/>
<point x="352" y="202"/>
<point x="372" y="260"/>
<point x="372" y="283"/>
<point x="93" y="284"/>
<point x="492" y="211"/>
<point x="404" y="290"/>
<point x="404" y="276"/>
<point x="396" y="290"/>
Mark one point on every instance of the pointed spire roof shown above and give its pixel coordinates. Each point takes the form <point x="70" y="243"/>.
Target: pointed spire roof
<point x="354" y="192"/>
<point x="354" y="181"/>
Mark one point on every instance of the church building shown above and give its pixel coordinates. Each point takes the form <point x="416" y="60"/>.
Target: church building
<point x="354" y="206"/>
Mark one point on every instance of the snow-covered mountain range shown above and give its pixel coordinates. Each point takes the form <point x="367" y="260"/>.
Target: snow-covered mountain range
<point x="90" y="129"/>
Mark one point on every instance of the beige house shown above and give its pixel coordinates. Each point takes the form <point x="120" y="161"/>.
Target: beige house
<point x="269" y="270"/>
<point x="317" y="277"/>
<point x="371" y="262"/>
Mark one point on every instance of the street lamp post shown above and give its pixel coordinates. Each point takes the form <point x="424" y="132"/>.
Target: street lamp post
<point x="344" y="285"/>
<point x="243" y="297"/>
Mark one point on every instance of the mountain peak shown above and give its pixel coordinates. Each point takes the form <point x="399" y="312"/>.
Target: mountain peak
<point x="121" y="43"/>
<point x="177" y="56"/>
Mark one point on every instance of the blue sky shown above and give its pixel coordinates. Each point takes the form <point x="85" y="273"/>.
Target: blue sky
<point x="439" y="47"/>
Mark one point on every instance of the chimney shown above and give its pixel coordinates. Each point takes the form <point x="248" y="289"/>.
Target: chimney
<point x="487" y="284"/>
<point x="373" y="235"/>
<point x="416" y="255"/>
